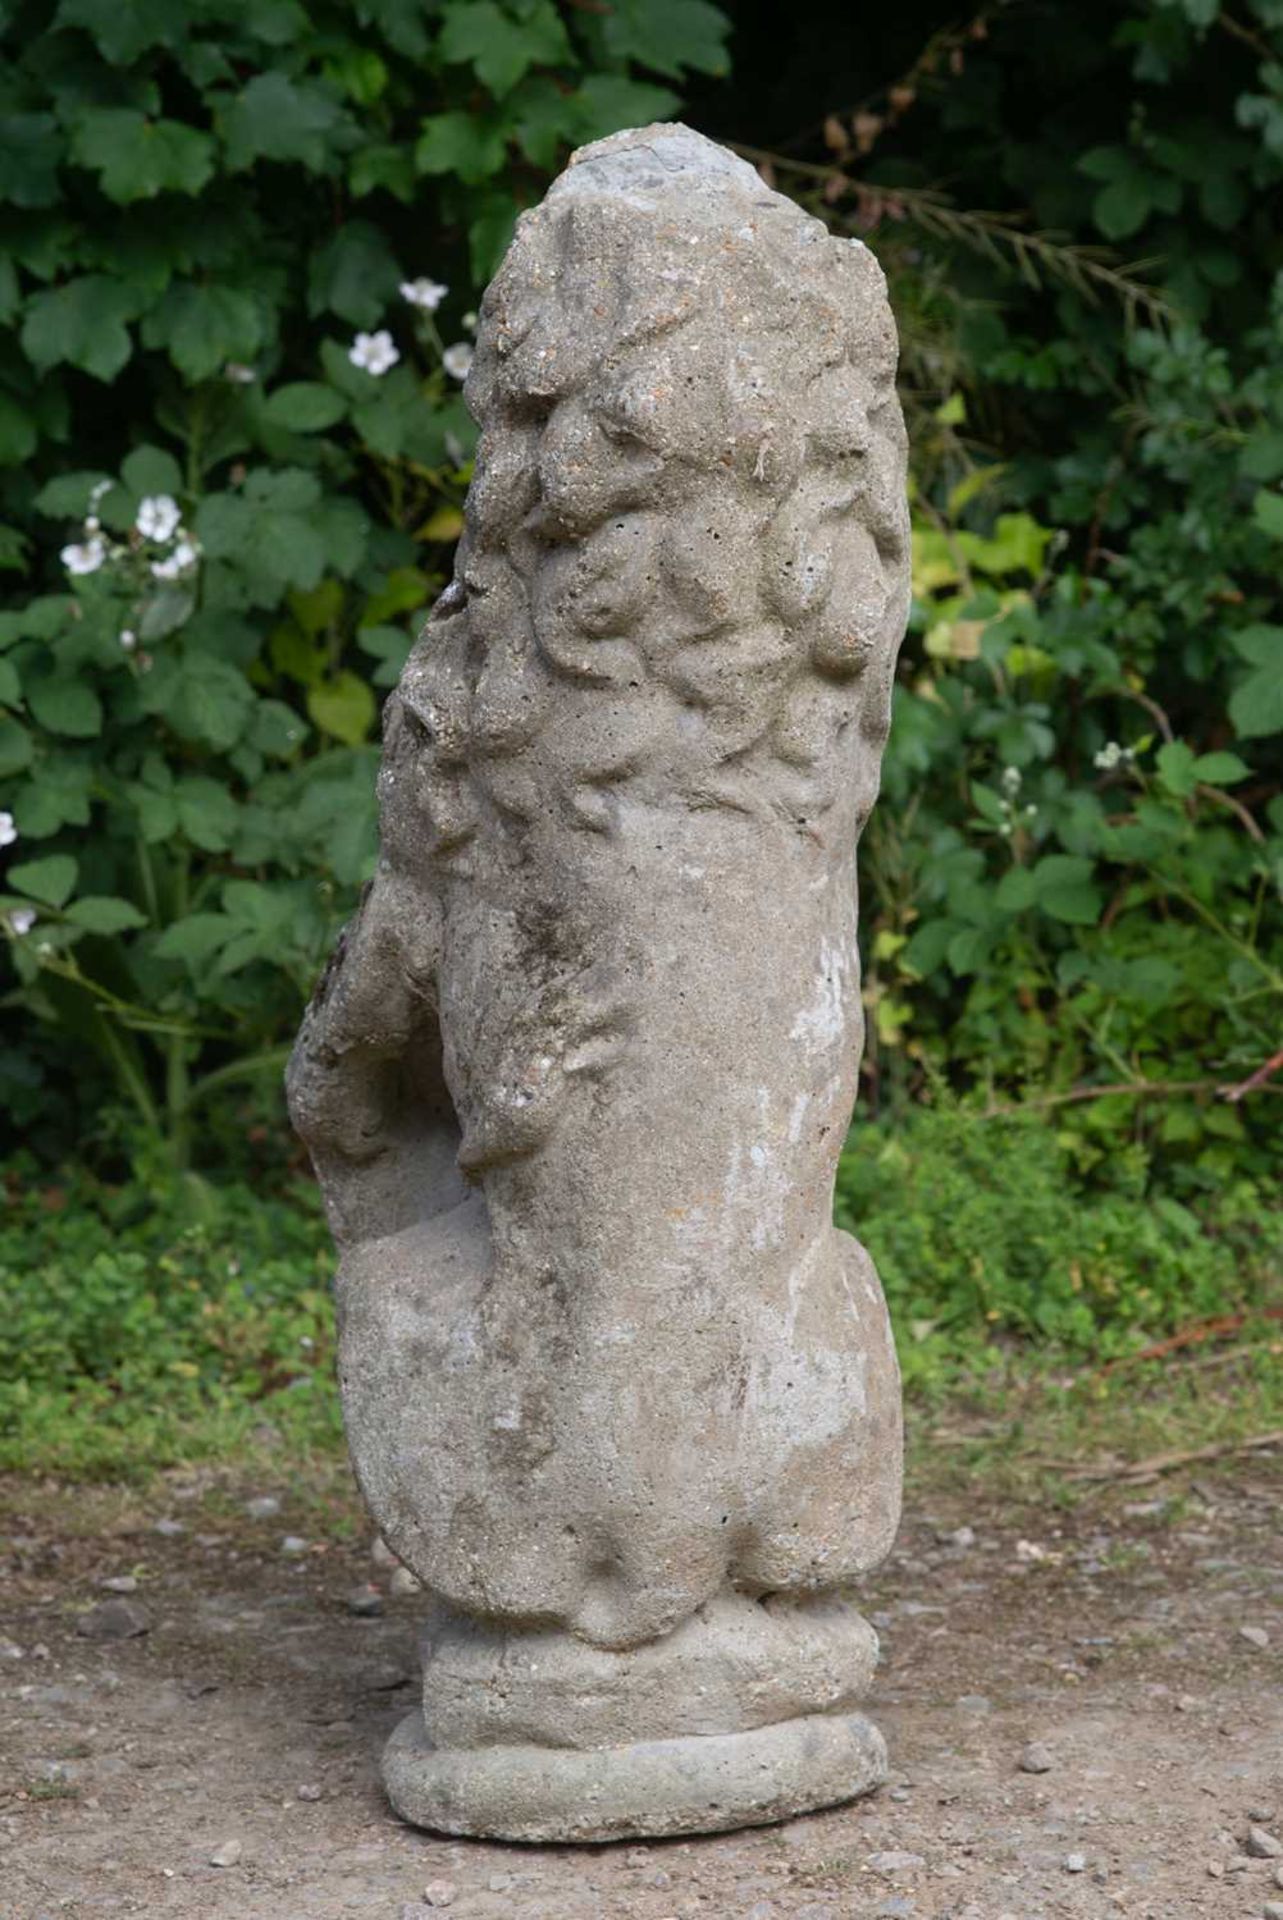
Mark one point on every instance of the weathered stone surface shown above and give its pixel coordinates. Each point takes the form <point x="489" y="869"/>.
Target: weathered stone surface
<point x="576" y="1080"/>
<point x="697" y="1785"/>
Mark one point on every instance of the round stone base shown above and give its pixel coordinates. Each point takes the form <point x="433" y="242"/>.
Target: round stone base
<point x="703" y="1783"/>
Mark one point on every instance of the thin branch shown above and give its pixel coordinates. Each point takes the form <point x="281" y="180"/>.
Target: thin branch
<point x="1254" y="1081"/>
<point x="1137" y="1089"/>
<point x="1235" y="806"/>
<point x="1165" y="1462"/>
<point x="1192" y="1336"/>
<point x="997" y="235"/>
<point x="1261" y="48"/>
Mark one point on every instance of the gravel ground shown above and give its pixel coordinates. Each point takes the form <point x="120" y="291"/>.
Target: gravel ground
<point x="1085" y="1714"/>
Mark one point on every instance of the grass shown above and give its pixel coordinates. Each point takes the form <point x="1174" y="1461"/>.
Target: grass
<point x="1042" y="1323"/>
<point x="1028" y="1427"/>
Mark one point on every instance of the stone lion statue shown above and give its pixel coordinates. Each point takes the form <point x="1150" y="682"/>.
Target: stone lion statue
<point x="576" y="1080"/>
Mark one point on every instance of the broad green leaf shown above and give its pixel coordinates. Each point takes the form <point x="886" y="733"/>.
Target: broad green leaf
<point x="987" y="803"/>
<point x="388" y="167"/>
<point x="1017" y="544"/>
<point x="31" y="147"/>
<point x="358" y="72"/>
<point x="1262" y="645"/>
<point x="401" y="22"/>
<point x="207" y="812"/>
<point x="1220" y="769"/>
<point x="1261" y="457"/>
<point x="1065" y="890"/>
<point x="104" y="913"/>
<point x="137" y="158"/>
<point x="124" y="29"/>
<point x="58" y="798"/>
<point x="1267" y="512"/>
<point x="318" y="610"/>
<point x="16" y="749"/>
<point x="354" y="275"/>
<point x="343" y="707"/>
<point x="1256" y="704"/>
<point x="202" y="698"/>
<point x="305" y="406"/>
<point x="390" y="646"/>
<point x="382" y="422"/>
<point x="18" y="432"/>
<point x="65" y="706"/>
<point x="1077" y="906"/>
<point x="156" y="813"/>
<point x="546" y="118"/>
<point x="403" y="591"/>
<point x="608" y="102"/>
<point x="468" y="145"/>
<point x="277" y="730"/>
<point x="275" y="118"/>
<point x="283" y="489"/>
<point x="204" y="326"/>
<point x="83" y="323"/>
<point x="970" y="949"/>
<point x="1017" y="890"/>
<point x="151" y="470"/>
<point x="194" y="938"/>
<point x="166" y="611"/>
<point x="1122" y="208"/>
<point x="499" y="48"/>
<point x="50" y="880"/>
<point x="668" y="36"/>
<point x="1176" y="763"/>
<point x="273" y="532"/>
<point x="1061" y="870"/>
<point x="67" y="496"/>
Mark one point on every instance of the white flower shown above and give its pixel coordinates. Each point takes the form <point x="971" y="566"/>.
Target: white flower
<point x="22" y="920"/>
<point x="92" y="523"/>
<point x="128" y="639"/>
<point x="97" y="491"/>
<point x="8" y="832"/>
<point x="470" y="320"/>
<point x="425" y="294"/>
<point x="158" y="518"/>
<point x="374" y="352"/>
<point x="457" y="359"/>
<point x="1011" y="781"/>
<point x="180" y="561"/>
<point x="86" y="558"/>
<point x="1108" y="757"/>
<point x="239" y="375"/>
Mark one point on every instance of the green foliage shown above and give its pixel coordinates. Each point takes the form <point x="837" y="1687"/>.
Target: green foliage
<point x="1073" y="888"/>
<point x="142" y="1325"/>
<point x="1073" y="884"/>
<point x="220" y="211"/>
<point x="982" y="1230"/>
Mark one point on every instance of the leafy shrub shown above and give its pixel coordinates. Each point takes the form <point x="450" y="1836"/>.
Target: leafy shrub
<point x="241" y="242"/>
<point x="1074" y="884"/>
<point x="140" y="1324"/>
<point x="981" y="1229"/>
<point x="1074" y="881"/>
